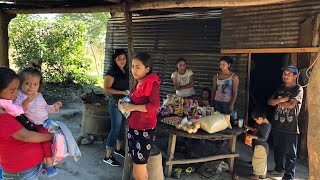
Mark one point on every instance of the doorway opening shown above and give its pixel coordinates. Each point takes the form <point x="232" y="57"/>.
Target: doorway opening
<point x="265" y="79"/>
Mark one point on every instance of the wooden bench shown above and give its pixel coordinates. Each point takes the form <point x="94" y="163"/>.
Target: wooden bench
<point x="228" y="134"/>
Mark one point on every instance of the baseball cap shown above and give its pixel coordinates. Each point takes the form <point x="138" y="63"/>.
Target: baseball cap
<point x="292" y="69"/>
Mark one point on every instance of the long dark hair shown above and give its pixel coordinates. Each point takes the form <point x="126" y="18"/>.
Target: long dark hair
<point x="227" y="59"/>
<point x="114" y="66"/>
<point x="7" y="75"/>
<point x="146" y="60"/>
<point x="33" y="70"/>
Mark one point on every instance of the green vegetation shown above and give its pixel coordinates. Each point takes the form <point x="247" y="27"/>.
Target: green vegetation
<point x="67" y="48"/>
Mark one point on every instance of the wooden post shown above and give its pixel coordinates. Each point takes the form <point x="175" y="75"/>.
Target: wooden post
<point x="128" y="20"/>
<point x="248" y="88"/>
<point x="232" y="149"/>
<point x="4" y="38"/>
<point x="304" y="60"/>
<point x="313" y="100"/>
<point x="171" y="149"/>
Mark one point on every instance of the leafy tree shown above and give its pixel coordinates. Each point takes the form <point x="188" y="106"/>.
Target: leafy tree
<point x="96" y="23"/>
<point x="96" y="32"/>
<point x="57" y="46"/>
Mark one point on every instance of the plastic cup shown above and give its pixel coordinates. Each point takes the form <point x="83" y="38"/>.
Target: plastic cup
<point x="240" y="123"/>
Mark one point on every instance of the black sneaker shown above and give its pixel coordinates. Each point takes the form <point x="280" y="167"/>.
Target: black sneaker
<point x="120" y="153"/>
<point x="111" y="161"/>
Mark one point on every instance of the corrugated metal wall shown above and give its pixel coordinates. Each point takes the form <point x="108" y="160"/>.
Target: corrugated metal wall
<point x="265" y="26"/>
<point x="268" y="26"/>
<point x="193" y="36"/>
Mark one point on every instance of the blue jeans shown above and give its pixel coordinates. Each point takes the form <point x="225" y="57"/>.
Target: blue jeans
<point x="222" y="107"/>
<point x="29" y="174"/>
<point x="285" y="148"/>
<point x="1" y="178"/>
<point x="118" y="122"/>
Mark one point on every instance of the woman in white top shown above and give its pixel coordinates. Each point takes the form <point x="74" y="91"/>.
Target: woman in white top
<point x="225" y="87"/>
<point x="183" y="80"/>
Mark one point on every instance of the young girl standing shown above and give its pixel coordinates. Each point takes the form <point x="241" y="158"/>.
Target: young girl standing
<point x="143" y="117"/>
<point x="225" y="87"/>
<point x="37" y="109"/>
<point x="183" y="80"/>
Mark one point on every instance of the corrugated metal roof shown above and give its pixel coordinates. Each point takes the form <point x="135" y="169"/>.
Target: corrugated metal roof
<point x="193" y="36"/>
<point x="265" y="26"/>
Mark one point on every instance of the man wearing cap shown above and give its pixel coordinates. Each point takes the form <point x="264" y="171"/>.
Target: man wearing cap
<point x="287" y="101"/>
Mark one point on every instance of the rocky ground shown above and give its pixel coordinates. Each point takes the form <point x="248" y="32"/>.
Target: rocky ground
<point x="90" y="166"/>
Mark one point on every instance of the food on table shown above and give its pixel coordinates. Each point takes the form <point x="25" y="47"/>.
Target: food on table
<point x="189" y="127"/>
<point x="172" y="120"/>
<point x="197" y="125"/>
<point x="179" y="126"/>
<point x="215" y="123"/>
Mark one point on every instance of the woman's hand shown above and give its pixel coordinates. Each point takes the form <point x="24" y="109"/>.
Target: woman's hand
<point x="125" y="93"/>
<point x="128" y="107"/>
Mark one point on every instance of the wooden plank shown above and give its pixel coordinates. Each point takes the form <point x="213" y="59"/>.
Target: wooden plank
<point x="167" y="4"/>
<point x="155" y="4"/>
<point x="205" y="159"/>
<point x="171" y="149"/>
<point x="269" y="50"/>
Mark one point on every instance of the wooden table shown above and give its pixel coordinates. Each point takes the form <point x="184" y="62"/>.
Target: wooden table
<point x="228" y="134"/>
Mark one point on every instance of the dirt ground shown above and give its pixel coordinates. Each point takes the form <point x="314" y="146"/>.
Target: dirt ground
<point x="91" y="166"/>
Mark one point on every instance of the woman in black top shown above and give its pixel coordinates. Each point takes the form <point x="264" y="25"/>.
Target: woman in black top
<point x="116" y="83"/>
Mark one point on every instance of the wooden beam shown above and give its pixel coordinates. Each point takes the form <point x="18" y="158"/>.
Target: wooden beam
<point x="152" y="5"/>
<point x="269" y="50"/>
<point x="167" y="4"/>
<point x="205" y="159"/>
<point x="128" y="20"/>
<point x="92" y="9"/>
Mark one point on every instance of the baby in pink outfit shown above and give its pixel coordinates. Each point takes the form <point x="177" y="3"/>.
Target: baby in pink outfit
<point x="37" y="109"/>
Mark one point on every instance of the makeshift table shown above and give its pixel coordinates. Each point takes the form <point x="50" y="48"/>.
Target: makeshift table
<point x="228" y="134"/>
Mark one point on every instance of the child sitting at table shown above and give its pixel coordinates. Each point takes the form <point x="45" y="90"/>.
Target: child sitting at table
<point x="262" y="130"/>
<point x="205" y="97"/>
